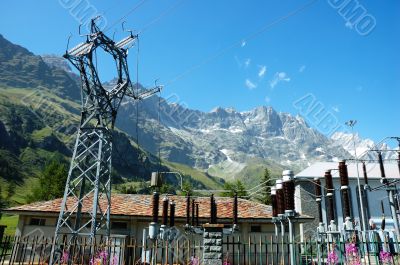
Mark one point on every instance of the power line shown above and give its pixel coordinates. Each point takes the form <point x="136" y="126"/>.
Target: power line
<point x="162" y="14"/>
<point x="249" y="37"/>
<point x="133" y="9"/>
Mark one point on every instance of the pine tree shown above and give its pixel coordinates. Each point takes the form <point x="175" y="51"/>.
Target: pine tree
<point x="2" y="203"/>
<point x="234" y="187"/>
<point x="51" y="182"/>
<point x="265" y="196"/>
<point x="187" y="188"/>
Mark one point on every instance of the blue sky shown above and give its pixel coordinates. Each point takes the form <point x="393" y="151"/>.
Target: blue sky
<point x="244" y="54"/>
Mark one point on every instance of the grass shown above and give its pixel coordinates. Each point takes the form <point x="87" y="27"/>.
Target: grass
<point x="11" y="222"/>
<point x="23" y="190"/>
<point x="39" y="135"/>
<point x="209" y="181"/>
<point x="57" y="112"/>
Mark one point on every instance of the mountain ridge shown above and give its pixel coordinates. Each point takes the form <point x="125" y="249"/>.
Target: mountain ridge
<point x="222" y="142"/>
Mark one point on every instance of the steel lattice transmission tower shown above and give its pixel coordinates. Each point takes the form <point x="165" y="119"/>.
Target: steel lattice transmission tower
<point x="85" y="209"/>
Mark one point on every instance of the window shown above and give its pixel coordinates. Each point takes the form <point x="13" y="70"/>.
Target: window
<point x="255" y="229"/>
<point x="38" y="221"/>
<point x="119" y="225"/>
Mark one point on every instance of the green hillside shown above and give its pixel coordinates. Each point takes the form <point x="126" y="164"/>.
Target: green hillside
<point x="36" y="125"/>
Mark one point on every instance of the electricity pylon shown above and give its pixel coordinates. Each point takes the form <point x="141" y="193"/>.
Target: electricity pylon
<point x="86" y="204"/>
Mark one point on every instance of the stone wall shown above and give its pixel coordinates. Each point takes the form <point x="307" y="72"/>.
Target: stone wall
<point x="212" y="244"/>
<point x="308" y="207"/>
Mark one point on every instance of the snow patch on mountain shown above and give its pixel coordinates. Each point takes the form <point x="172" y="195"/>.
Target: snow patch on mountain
<point x="362" y="146"/>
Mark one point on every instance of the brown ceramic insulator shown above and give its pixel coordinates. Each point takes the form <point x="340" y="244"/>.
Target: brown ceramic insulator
<point x="328" y="182"/>
<point x="235" y="209"/>
<point x="282" y="206"/>
<point x="331" y="210"/>
<point x="346" y="203"/>
<point x="280" y="201"/>
<point x="155" y="205"/>
<point x="320" y="219"/>
<point x="317" y="188"/>
<point x="318" y="195"/>
<point x="187" y="209"/>
<point x="382" y="168"/>
<point x="193" y="213"/>
<point x="274" y="206"/>
<point x="165" y="211"/>
<point x="365" y="173"/>
<point x="172" y="214"/>
<point x="197" y="215"/>
<point x="288" y="191"/>
<point x="212" y="209"/>
<point x="344" y="176"/>
<point x="215" y="212"/>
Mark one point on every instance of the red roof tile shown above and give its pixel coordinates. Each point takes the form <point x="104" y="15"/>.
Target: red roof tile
<point x="141" y="206"/>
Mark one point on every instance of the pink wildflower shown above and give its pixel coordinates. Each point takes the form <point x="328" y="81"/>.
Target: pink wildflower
<point x="385" y="257"/>
<point x="332" y="258"/>
<point x="64" y="257"/>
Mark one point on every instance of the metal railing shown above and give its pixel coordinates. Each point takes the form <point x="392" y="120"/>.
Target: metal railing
<point x="256" y="249"/>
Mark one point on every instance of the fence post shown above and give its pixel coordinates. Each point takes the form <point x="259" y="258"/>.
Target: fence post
<point x="2" y="228"/>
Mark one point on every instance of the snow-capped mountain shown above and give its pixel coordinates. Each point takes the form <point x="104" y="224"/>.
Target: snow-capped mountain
<point x="224" y="142"/>
<point x="227" y="143"/>
<point x="362" y="146"/>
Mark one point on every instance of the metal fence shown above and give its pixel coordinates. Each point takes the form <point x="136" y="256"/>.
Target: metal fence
<point x="255" y="249"/>
<point x="117" y="251"/>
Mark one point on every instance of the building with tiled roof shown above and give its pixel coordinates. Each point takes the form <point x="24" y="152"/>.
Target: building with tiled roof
<point x="131" y="213"/>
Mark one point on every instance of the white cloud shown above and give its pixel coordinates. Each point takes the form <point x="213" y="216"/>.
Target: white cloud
<point x="262" y="71"/>
<point x="335" y="109"/>
<point x="279" y="77"/>
<point x="243" y="43"/>
<point x="349" y="25"/>
<point x="302" y="68"/>
<point x="250" y="85"/>
<point x="267" y="99"/>
<point x="247" y="62"/>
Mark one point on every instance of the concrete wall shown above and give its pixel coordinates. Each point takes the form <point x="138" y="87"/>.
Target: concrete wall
<point x="135" y="228"/>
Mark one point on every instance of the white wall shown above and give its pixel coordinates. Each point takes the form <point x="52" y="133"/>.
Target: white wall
<point x="374" y="202"/>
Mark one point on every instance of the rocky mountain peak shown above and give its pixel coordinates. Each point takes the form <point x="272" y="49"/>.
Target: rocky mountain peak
<point x="21" y="68"/>
<point x="58" y="62"/>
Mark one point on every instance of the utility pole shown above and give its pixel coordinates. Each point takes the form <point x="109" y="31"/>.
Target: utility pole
<point x="86" y="204"/>
<point x="351" y="124"/>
